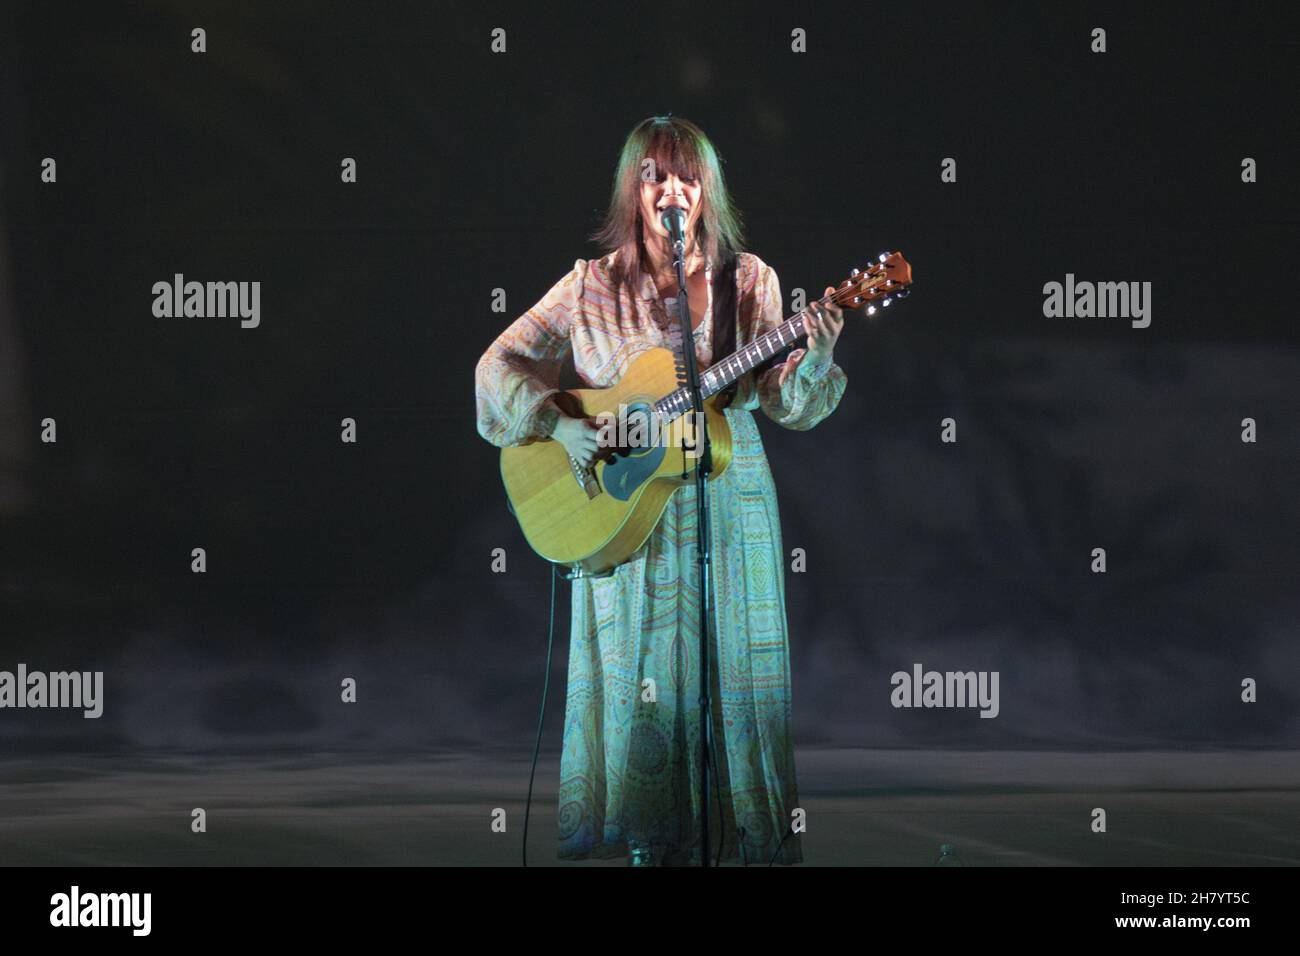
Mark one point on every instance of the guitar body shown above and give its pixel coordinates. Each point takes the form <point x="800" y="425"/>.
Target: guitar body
<point x="597" y="518"/>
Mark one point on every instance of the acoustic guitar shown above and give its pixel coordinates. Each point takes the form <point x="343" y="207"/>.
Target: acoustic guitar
<point x="596" y="517"/>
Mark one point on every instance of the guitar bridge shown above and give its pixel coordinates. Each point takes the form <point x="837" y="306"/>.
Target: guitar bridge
<point x="586" y="478"/>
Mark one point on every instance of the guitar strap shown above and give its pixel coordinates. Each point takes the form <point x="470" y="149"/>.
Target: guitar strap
<point x="726" y="313"/>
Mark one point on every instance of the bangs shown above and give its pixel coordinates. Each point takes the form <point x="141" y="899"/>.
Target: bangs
<point x="675" y="153"/>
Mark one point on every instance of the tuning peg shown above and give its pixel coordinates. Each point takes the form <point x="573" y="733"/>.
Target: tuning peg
<point x="854" y="273"/>
<point x="902" y="293"/>
<point x="882" y="257"/>
<point x="857" y="300"/>
<point x="871" y="310"/>
<point x="886" y="301"/>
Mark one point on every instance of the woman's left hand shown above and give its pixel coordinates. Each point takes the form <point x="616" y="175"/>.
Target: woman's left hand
<point x="823" y="322"/>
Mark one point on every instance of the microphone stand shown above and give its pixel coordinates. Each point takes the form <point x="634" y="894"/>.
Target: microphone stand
<point x="704" y="467"/>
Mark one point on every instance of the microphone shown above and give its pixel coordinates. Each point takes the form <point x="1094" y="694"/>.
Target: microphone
<point x="674" y="220"/>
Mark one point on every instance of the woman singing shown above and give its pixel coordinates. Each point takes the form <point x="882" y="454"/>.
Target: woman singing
<point x="629" y="773"/>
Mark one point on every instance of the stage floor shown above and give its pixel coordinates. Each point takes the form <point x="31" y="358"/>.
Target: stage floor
<point x="865" y="807"/>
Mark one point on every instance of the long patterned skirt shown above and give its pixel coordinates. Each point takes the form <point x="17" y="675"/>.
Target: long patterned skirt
<point x="629" y="772"/>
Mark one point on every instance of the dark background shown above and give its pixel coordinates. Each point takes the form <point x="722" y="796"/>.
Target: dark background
<point x="480" y="171"/>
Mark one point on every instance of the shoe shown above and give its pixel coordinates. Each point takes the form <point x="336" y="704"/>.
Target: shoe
<point x="638" y="854"/>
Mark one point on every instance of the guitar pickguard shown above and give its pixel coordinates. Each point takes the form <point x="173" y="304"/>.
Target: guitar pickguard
<point x="636" y="461"/>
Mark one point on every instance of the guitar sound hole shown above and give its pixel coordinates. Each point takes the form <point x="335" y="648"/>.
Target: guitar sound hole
<point x="636" y="432"/>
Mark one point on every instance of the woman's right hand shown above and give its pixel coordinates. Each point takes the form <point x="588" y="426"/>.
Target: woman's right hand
<point x="580" y="438"/>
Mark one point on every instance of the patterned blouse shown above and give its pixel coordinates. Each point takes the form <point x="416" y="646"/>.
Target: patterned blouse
<point x="607" y="329"/>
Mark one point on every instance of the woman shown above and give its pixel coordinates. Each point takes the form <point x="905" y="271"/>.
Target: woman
<point x="629" y="771"/>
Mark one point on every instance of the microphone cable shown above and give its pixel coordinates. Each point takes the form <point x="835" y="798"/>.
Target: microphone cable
<point x="789" y="832"/>
<point x="541" y="715"/>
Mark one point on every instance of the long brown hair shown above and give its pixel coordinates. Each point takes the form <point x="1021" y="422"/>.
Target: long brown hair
<point x="677" y="146"/>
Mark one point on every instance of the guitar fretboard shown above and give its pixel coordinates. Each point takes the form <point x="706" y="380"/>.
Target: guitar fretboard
<point x="721" y="374"/>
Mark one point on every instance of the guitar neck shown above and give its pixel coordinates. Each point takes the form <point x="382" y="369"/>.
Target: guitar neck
<point x="888" y="278"/>
<point x="721" y="374"/>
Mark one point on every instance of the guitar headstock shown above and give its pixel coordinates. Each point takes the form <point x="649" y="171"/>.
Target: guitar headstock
<point x="877" y="286"/>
